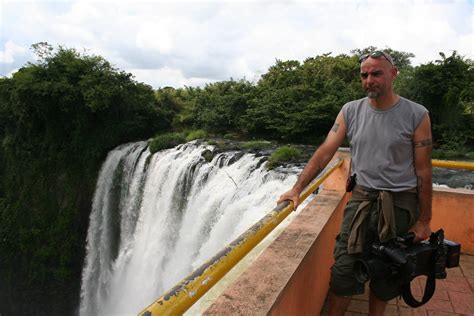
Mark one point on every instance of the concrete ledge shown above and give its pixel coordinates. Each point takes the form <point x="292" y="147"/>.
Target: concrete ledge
<point x="295" y="265"/>
<point x="306" y="291"/>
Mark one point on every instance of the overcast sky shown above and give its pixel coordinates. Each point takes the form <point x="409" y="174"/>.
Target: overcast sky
<point x="177" y="43"/>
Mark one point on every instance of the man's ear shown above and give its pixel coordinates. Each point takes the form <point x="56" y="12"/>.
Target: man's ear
<point x="394" y="72"/>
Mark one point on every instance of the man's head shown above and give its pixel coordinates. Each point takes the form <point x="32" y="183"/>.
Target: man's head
<point x="377" y="73"/>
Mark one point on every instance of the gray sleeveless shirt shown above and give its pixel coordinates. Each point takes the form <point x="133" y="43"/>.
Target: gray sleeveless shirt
<point x="382" y="143"/>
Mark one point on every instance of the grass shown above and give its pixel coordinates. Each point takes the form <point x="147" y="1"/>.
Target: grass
<point x="452" y="154"/>
<point x="196" y="134"/>
<point x="283" y="155"/>
<point x="257" y="144"/>
<point x="165" y="141"/>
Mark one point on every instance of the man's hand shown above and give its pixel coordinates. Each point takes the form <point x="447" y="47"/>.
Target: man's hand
<point x="291" y="195"/>
<point x="422" y="230"/>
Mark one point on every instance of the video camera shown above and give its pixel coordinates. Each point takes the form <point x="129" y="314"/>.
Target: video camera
<point x="403" y="258"/>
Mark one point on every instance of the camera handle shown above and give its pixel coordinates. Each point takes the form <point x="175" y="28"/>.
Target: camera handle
<point x="409" y="237"/>
<point x="430" y="287"/>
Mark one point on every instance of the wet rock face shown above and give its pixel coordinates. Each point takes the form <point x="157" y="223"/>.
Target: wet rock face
<point x="226" y="145"/>
<point x="448" y="177"/>
<point x="208" y="155"/>
<point x="454" y="178"/>
<point x="236" y="157"/>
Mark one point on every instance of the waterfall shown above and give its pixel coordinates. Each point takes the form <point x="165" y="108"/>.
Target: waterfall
<point x="155" y="218"/>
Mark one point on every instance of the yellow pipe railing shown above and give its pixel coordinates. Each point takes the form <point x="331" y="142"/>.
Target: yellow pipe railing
<point x="181" y="297"/>
<point x="453" y="164"/>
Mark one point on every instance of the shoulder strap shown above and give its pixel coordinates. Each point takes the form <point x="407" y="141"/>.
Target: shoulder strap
<point x="430" y="287"/>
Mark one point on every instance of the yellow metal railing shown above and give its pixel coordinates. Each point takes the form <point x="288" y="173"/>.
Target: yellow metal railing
<point x="181" y="297"/>
<point x="453" y="164"/>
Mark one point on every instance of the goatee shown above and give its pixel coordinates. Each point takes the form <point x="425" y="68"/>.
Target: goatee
<point x="373" y="94"/>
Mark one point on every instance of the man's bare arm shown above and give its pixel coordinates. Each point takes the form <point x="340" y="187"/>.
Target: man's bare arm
<point x="422" y="143"/>
<point x="318" y="161"/>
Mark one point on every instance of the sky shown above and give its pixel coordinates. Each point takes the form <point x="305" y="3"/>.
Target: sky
<point x="190" y="43"/>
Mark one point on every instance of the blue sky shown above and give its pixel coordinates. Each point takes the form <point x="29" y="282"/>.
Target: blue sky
<point x="177" y="43"/>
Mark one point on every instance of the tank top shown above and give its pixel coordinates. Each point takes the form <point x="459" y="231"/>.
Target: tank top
<point x="381" y="143"/>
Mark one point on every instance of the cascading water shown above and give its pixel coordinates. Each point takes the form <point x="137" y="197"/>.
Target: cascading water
<point x="157" y="217"/>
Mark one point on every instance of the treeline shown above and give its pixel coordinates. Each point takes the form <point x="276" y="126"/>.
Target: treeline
<point x="60" y="116"/>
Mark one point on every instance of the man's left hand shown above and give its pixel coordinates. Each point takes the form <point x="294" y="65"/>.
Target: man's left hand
<point x="422" y="230"/>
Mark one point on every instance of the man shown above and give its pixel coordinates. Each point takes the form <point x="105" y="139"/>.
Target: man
<point x="390" y="140"/>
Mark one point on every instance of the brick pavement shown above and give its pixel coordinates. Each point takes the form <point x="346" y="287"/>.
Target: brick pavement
<point x="453" y="296"/>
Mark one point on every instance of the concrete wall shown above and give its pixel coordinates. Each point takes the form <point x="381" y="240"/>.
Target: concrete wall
<point x="453" y="210"/>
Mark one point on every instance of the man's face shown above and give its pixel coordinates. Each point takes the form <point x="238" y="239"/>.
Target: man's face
<point x="377" y="75"/>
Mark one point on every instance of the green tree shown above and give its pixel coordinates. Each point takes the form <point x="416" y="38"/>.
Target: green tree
<point x="400" y="59"/>
<point x="299" y="102"/>
<point x="59" y="117"/>
<point x="446" y="88"/>
<point x="218" y="107"/>
<point x="169" y="103"/>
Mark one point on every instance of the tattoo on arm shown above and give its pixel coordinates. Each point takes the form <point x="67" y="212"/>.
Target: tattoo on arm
<point x="423" y="143"/>
<point x="335" y="127"/>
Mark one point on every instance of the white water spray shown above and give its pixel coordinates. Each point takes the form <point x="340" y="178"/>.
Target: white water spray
<point x="157" y="217"/>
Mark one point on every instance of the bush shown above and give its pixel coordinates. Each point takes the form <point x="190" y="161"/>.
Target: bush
<point x="452" y="154"/>
<point x="446" y="154"/>
<point x="257" y="144"/>
<point x="196" y="134"/>
<point x="231" y="136"/>
<point x="284" y="154"/>
<point x="165" y="141"/>
<point x="470" y="155"/>
<point x="453" y="140"/>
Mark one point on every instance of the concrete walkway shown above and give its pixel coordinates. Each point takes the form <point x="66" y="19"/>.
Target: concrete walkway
<point x="453" y="296"/>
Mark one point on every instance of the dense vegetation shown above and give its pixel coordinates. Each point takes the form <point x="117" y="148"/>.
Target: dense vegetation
<point x="297" y="102"/>
<point x="60" y="116"/>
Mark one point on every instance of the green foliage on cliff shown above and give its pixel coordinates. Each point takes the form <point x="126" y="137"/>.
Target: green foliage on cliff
<point x="59" y="117"/>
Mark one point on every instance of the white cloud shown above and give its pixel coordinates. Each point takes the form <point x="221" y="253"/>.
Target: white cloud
<point x="10" y="49"/>
<point x="155" y="36"/>
<point x="163" y="77"/>
<point x="176" y="43"/>
<point x="12" y="56"/>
